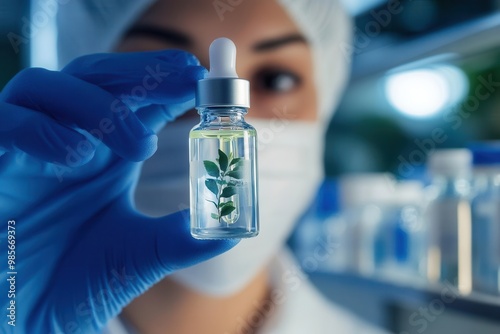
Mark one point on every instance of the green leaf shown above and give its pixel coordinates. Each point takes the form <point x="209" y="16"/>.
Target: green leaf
<point x="226" y="210"/>
<point x="235" y="161"/>
<point x="211" y="168"/>
<point x="211" y="184"/>
<point x="238" y="166"/>
<point x="222" y="161"/>
<point x="212" y="203"/>
<point x="214" y="216"/>
<point x="226" y="203"/>
<point x="221" y="182"/>
<point x="236" y="174"/>
<point x="228" y="192"/>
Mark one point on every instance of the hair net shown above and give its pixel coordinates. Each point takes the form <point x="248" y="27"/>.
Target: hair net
<point x="92" y="26"/>
<point x="327" y="27"/>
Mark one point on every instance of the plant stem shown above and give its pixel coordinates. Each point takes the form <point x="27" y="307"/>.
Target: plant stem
<point x="218" y="202"/>
<point x="221" y="179"/>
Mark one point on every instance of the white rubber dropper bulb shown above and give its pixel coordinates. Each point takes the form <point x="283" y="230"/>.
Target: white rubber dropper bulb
<point x="222" y="54"/>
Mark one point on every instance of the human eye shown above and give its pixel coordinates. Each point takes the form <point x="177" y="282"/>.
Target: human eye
<point x="277" y="81"/>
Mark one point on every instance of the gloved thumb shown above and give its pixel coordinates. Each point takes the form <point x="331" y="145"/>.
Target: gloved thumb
<point x="156" y="247"/>
<point x="119" y="257"/>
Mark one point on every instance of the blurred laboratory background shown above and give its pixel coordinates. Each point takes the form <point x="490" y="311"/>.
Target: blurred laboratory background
<point x="405" y="230"/>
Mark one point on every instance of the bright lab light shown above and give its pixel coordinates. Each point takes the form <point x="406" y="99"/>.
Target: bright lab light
<point x="426" y="92"/>
<point x="419" y="93"/>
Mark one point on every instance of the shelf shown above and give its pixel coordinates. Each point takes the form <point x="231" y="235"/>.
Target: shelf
<point x="347" y="289"/>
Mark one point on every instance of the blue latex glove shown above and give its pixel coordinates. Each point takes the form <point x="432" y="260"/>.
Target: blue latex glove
<point x="82" y="252"/>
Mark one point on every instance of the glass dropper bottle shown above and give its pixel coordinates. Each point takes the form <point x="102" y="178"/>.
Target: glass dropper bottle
<point x="223" y="155"/>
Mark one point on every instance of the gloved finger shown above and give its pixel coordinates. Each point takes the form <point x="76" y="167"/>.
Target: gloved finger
<point x="77" y="103"/>
<point x="41" y="136"/>
<point x="156" y="116"/>
<point x="142" y="78"/>
<point x="164" y="245"/>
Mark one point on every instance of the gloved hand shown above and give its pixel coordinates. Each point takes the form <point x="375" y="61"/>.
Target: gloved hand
<point x="70" y="152"/>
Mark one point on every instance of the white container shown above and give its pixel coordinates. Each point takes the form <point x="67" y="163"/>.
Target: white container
<point x="401" y="237"/>
<point x="448" y="218"/>
<point x="486" y="218"/>
<point x="365" y="199"/>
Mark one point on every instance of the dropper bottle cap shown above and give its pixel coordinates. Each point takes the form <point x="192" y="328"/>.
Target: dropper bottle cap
<point x="221" y="87"/>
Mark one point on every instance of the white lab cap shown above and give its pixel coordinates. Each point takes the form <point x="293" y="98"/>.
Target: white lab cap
<point x="328" y="28"/>
<point x="93" y="26"/>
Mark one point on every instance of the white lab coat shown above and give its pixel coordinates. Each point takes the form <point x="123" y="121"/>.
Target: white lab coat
<point x="294" y="307"/>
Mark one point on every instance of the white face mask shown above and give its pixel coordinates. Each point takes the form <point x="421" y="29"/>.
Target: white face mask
<point x="163" y="186"/>
<point x="290" y="168"/>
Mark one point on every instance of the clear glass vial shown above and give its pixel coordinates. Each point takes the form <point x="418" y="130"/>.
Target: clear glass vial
<point x="223" y="155"/>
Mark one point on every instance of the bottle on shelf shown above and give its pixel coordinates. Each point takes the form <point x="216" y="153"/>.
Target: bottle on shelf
<point x="486" y="218"/>
<point x="401" y="236"/>
<point x="448" y="219"/>
<point x="365" y="201"/>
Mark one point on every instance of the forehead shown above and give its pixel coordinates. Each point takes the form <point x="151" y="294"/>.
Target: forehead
<point x="246" y="22"/>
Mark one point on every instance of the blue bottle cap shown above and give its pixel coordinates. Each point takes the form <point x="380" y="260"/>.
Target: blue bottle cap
<point x="485" y="153"/>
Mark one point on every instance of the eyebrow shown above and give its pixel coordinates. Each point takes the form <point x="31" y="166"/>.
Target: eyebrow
<point x="176" y="37"/>
<point x="168" y="35"/>
<point x="275" y="43"/>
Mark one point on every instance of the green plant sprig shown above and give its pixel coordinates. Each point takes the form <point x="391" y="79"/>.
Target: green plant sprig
<point x="224" y="174"/>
